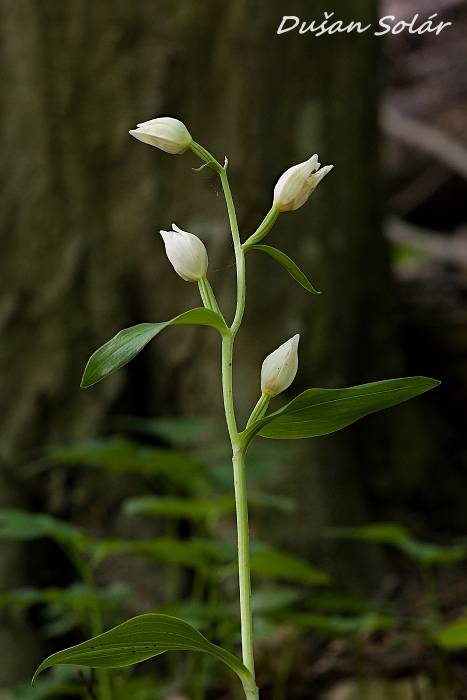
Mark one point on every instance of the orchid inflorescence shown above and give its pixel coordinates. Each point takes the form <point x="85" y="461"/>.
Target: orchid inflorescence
<point x="314" y="412"/>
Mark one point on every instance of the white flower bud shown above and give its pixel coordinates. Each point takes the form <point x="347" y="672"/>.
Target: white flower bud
<point x="280" y="367"/>
<point x="166" y="133"/>
<point x="297" y="183"/>
<point x="186" y="253"/>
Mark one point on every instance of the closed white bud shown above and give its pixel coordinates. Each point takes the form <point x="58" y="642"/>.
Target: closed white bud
<point x="166" y="133"/>
<point x="186" y="253"/>
<point x="297" y="183"/>
<point x="280" y="367"/>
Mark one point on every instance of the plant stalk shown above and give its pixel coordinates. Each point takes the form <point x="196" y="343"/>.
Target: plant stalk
<point x="207" y="295"/>
<point x="259" y="410"/>
<point x="239" y="253"/>
<point x="238" y="448"/>
<point x="238" y="461"/>
<point x="263" y="229"/>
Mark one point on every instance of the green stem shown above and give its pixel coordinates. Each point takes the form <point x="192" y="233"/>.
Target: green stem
<point x="263" y="229"/>
<point x="207" y="295"/>
<point x="239" y="253"/>
<point x="238" y="458"/>
<point x="238" y="461"/>
<point x="202" y="153"/>
<point x="259" y="410"/>
<point x="227" y="388"/>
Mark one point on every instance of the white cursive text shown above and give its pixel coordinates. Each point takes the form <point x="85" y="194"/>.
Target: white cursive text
<point x="387" y="25"/>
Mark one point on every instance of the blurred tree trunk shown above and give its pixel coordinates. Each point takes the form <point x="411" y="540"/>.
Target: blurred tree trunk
<point x="83" y="202"/>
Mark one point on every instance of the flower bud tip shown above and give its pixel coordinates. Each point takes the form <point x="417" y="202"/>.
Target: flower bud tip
<point x="280" y="367"/>
<point x="297" y="183"/>
<point x="186" y="252"/>
<point x="166" y="133"/>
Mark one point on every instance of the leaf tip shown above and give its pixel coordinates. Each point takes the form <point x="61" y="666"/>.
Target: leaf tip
<point x="432" y="382"/>
<point x="38" y="670"/>
<point x="89" y="379"/>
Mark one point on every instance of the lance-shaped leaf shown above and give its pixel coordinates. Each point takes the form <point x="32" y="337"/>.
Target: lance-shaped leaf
<point x="286" y="567"/>
<point x="130" y="341"/>
<point x="339" y="626"/>
<point x="189" y="508"/>
<point x="321" y="411"/>
<point x="18" y="524"/>
<point x="425" y="553"/>
<point x="142" y="638"/>
<point x="166" y="550"/>
<point x="289" y="265"/>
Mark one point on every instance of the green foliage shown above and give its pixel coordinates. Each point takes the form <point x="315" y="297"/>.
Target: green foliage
<point x="120" y="456"/>
<point x="165" y="550"/>
<point x="340" y="626"/>
<point x="286" y="567"/>
<point x="20" y="525"/>
<point x="75" y="598"/>
<point x="141" y="638"/>
<point x="123" y="347"/>
<point x="430" y="554"/>
<point x="201" y="508"/>
<point x="321" y="411"/>
<point x="424" y="553"/>
<point x="189" y="508"/>
<point x="180" y="432"/>
<point x="210" y="607"/>
<point x="289" y="265"/>
<point x="273" y="598"/>
<point x="454" y="636"/>
<point x="60" y="682"/>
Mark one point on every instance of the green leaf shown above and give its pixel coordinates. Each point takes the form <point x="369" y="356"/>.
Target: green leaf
<point x="121" y="456"/>
<point x="338" y="626"/>
<point x="272" y="500"/>
<point x="76" y="595"/>
<point x="166" y="550"/>
<point x="397" y="535"/>
<point x="433" y="554"/>
<point x="189" y="508"/>
<point x="216" y="550"/>
<point x="18" y="524"/>
<point x="289" y="265"/>
<point x="273" y="598"/>
<point x="201" y="615"/>
<point x="382" y="533"/>
<point x="454" y="635"/>
<point x="142" y="638"/>
<point x="180" y="432"/>
<point x="286" y="567"/>
<point x="321" y="411"/>
<point x="129" y="342"/>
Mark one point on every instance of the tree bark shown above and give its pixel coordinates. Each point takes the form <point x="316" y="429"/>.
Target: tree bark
<point x="83" y="202"/>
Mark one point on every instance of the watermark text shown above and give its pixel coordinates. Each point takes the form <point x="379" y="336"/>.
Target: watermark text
<point x="386" y="25"/>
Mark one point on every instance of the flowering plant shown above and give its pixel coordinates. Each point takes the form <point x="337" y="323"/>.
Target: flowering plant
<point x="314" y="412"/>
